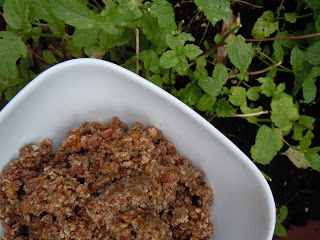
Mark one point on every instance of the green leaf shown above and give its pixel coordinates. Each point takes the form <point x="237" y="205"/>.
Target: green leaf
<point x="284" y="113"/>
<point x="313" y="4"/>
<point x="240" y="53"/>
<point x="238" y="96"/>
<point x="278" y="51"/>
<point x="253" y="93"/>
<point x="182" y="66"/>
<point x="265" y="147"/>
<point x="307" y="121"/>
<point x="215" y="10"/>
<point x="150" y="60"/>
<point x="35" y="33"/>
<point x="280" y="230"/>
<point x="157" y="80"/>
<point x="108" y="41"/>
<point x="85" y="37"/>
<point x="169" y="59"/>
<point x="15" y="13"/>
<point x="246" y="110"/>
<point x="201" y="68"/>
<point x="94" y="52"/>
<point x="194" y="95"/>
<point x="286" y="43"/>
<point x="41" y="10"/>
<point x="296" y="59"/>
<point x="74" y="51"/>
<point x="298" y="132"/>
<point x="279" y="134"/>
<point x="206" y="102"/>
<point x="11" y="49"/>
<point x="213" y="85"/>
<point x="192" y="51"/>
<point x="49" y="56"/>
<point x="265" y="25"/>
<point x="313" y="54"/>
<point x="306" y="140"/>
<point x="268" y="86"/>
<point x="291" y="17"/>
<point x="314" y="158"/>
<point x="298" y="158"/>
<point x="164" y="12"/>
<point x="309" y="89"/>
<point x="177" y="42"/>
<point x="224" y="109"/>
<point x="283" y="214"/>
<point x="10" y="93"/>
<point x="300" y="78"/>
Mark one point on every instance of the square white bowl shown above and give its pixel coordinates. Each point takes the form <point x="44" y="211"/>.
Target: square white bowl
<point x="66" y="95"/>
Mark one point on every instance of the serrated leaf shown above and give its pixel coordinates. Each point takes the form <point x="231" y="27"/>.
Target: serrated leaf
<point x="108" y="41"/>
<point x="74" y="51"/>
<point x="307" y="121"/>
<point x="182" y="66"/>
<point x="11" y="49"/>
<point x="300" y="78"/>
<point x="194" y="95"/>
<point x="213" y="85"/>
<point x="177" y="42"/>
<point x="224" y="109"/>
<point x="296" y="59"/>
<point x="41" y="10"/>
<point x="298" y="158"/>
<point x="238" y="96"/>
<point x="253" y="93"/>
<point x="49" y="56"/>
<point x="298" y="132"/>
<point x="164" y="12"/>
<point x="279" y="134"/>
<point x="290" y="17"/>
<point x="265" y="25"/>
<point x="240" y="53"/>
<point x="306" y="140"/>
<point x="309" y="89"/>
<point x="278" y="51"/>
<point x="313" y="54"/>
<point x="201" y="70"/>
<point x="168" y="59"/>
<point x="268" y="86"/>
<point x="313" y="4"/>
<point x="150" y="60"/>
<point x="265" y="147"/>
<point x="192" y="51"/>
<point x="157" y="80"/>
<point x="15" y="13"/>
<point x="284" y="113"/>
<point x="206" y="102"/>
<point x="85" y="37"/>
<point x="215" y="10"/>
<point x="314" y="158"/>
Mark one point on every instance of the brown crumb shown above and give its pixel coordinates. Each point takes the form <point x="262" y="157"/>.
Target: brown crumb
<point x="104" y="182"/>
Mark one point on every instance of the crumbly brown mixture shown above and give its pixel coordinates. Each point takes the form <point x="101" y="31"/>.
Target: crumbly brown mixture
<point x="105" y="183"/>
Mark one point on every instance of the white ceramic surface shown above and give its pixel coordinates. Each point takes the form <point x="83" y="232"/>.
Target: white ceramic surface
<point x="75" y="91"/>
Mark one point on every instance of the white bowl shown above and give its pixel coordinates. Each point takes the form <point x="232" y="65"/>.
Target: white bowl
<point x="75" y="91"/>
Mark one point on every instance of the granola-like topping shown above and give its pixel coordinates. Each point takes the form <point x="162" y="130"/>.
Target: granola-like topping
<point x="104" y="182"/>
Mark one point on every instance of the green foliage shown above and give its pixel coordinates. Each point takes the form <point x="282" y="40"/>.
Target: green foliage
<point x="265" y="25"/>
<point x="282" y="214"/>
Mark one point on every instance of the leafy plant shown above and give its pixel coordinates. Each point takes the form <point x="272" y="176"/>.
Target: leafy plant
<point x="145" y="37"/>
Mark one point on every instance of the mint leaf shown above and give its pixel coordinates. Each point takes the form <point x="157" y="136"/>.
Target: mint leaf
<point x="157" y="80"/>
<point x="265" y="25"/>
<point x="224" y="109"/>
<point x="286" y="43"/>
<point x="201" y="68"/>
<point x="213" y="85"/>
<point x="306" y="140"/>
<point x="206" y="102"/>
<point x="177" y="42"/>
<point x="41" y="10"/>
<point x="279" y="134"/>
<point x="296" y="59"/>
<point x="314" y="158"/>
<point x="240" y="53"/>
<point x="307" y="121"/>
<point x="284" y="113"/>
<point x="194" y="95"/>
<point x="192" y="51"/>
<point x="108" y="41"/>
<point x="290" y="17"/>
<point x="309" y="89"/>
<point x="282" y="214"/>
<point x="298" y="158"/>
<point x="215" y="10"/>
<point x="94" y="52"/>
<point x="74" y="51"/>
<point x="313" y="4"/>
<point x="168" y="59"/>
<point x="164" y="12"/>
<point x="298" y="132"/>
<point x="268" y="86"/>
<point x="313" y="54"/>
<point x="278" y="51"/>
<point x="300" y="78"/>
<point x="238" y="96"/>
<point x="85" y="37"/>
<point x="11" y="49"/>
<point x="150" y="60"/>
<point x="253" y="93"/>
<point x="182" y="66"/>
<point x="280" y="230"/>
<point x="265" y="146"/>
<point x="16" y="12"/>
<point x="49" y="56"/>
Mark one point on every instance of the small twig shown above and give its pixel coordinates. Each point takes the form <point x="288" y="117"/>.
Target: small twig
<point x="283" y="38"/>
<point x="246" y="3"/>
<point x="38" y="56"/>
<point x="136" y="30"/>
<point x="98" y="5"/>
<point x="257" y="72"/>
<point x="251" y="114"/>
<point x="205" y="32"/>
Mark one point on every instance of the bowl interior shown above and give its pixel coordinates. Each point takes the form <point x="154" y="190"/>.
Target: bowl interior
<point x="81" y="90"/>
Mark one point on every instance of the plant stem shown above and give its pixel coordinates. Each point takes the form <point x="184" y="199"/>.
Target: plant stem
<point x="236" y="28"/>
<point x="264" y="120"/>
<point x="52" y="35"/>
<point x="274" y="62"/>
<point x="38" y="56"/>
<point x="205" y="32"/>
<point x="251" y="114"/>
<point x="136" y="30"/>
<point x="98" y="5"/>
<point x="283" y="38"/>
<point x="257" y="72"/>
<point x="266" y="176"/>
<point x="39" y="24"/>
<point x="301" y="16"/>
<point x="244" y="2"/>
